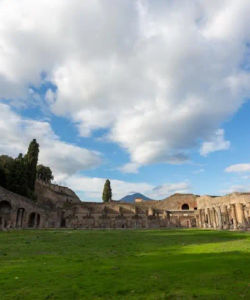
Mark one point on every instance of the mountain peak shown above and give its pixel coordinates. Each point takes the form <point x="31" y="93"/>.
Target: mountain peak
<point x="131" y="198"/>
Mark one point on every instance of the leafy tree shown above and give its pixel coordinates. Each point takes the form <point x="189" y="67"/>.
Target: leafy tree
<point x="6" y="163"/>
<point x="17" y="179"/>
<point x="2" y="177"/>
<point x="107" y="192"/>
<point x="44" y="173"/>
<point x="31" y="159"/>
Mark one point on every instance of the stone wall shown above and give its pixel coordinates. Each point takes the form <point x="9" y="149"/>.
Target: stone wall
<point x="54" y="195"/>
<point x="20" y="212"/>
<point x="180" y="210"/>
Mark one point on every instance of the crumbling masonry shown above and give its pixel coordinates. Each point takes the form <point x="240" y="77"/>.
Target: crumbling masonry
<point x="59" y="207"/>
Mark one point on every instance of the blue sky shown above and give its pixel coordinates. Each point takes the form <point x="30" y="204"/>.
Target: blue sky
<point x="141" y="93"/>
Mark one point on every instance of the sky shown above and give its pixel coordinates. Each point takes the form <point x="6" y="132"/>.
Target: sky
<point x="153" y="95"/>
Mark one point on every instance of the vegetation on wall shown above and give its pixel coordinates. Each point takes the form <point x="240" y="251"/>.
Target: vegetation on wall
<point x="107" y="192"/>
<point x="19" y="174"/>
<point x="44" y="173"/>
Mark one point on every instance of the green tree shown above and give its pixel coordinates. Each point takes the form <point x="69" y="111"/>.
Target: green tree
<point x="2" y="177"/>
<point x="17" y="179"/>
<point x="44" y="173"/>
<point x="31" y="159"/>
<point x="107" y="192"/>
<point x="6" y="164"/>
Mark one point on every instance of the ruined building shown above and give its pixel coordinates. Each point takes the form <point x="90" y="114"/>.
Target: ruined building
<point x="59" y="207"/>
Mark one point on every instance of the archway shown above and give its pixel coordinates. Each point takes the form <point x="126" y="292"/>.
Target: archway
<point x="185" y="206"/>
<point x="63" y="221"/>
<point x="32" y="220"/>
<point x="5" y="213"/>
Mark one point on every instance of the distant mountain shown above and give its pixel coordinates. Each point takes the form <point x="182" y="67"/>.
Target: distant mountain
<point x="131" y="198"/>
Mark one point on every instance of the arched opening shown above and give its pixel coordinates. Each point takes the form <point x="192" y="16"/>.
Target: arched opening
<point x="20" y="217"/>
<point x="63" y="221"/>
<point x="5" y="212"/>
<point x="32" y="220"/>
<point x="185" y="206"/>
<point x="5" y="208"/>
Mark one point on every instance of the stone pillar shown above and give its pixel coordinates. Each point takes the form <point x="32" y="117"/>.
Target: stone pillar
<point x="214" y="218"/>
<point x="35" y="220"/>
<point x="218" y="210"/>
<point x="203" y="215"/>
<point x="233" y="215"/>
<point x="225" y="217"/>
<point x="240" y="214"/>
<point x="202" y="219"/>
<point x="199" y="219"/>
<point x="208" y="217"/>
<point x="245" y="208"/>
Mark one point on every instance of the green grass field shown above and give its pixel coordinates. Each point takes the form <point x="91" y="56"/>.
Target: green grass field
<point x="124" y="264"/>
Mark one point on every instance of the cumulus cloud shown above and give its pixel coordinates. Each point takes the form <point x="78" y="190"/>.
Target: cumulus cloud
<point x="65" y="159"/>
<point x="160" y="75"/>
<point x="166" y="189"/>
<point x="240" y="188"/>
<point x="90" y="189"/>
<point x="238" y="168"/>
<point x="129" y="168"/>
<point x="215" y="143"/>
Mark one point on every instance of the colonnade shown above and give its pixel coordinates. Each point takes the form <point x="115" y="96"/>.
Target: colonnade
<point x="230" y="216"/>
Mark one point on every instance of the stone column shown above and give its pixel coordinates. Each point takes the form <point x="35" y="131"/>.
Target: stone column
<point x="204" y="219"/>
<point x="35" y="220"/>
<point x="199" y="219"/>
<point x="219" y="218"/>
<point x="240" y="214"/>
<point x="233" y="215"/>
<point x="214" y="218"/>
<point x="225" y="215"/>
<point x="208" y="217"/>
<point x="245" y="208"/>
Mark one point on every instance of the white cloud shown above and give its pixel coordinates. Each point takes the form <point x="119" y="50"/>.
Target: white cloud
<point x="65" y="159"/>
<point x="93" y="187"/>
<point x="90" y="189"/>
<point x="129" y="168"/>
<point x="167" y="189"/>
<point x="238" y="168"/>
<point x="160" y="75"/>
<point x="240" y="188"/>
<point x="215" y="143"/>
<point x="201" y="170"/>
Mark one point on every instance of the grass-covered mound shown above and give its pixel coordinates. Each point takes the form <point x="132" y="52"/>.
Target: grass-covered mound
<point x="124" y="264"/>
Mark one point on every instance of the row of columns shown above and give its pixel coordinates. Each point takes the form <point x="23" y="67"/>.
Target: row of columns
<point x="233" y="216"/>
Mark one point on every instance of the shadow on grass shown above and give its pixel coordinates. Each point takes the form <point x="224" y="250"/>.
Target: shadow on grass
<point x="140" y="264"/>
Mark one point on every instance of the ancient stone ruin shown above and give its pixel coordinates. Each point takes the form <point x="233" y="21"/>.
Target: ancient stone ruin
<point x="59" y="207"/>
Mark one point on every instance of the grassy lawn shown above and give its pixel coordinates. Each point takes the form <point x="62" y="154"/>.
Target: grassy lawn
<point x="124" y="264"/>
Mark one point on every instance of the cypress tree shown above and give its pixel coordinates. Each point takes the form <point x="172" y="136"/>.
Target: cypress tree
<point x="31" y="159"/>
<point x="107" y="192"/>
